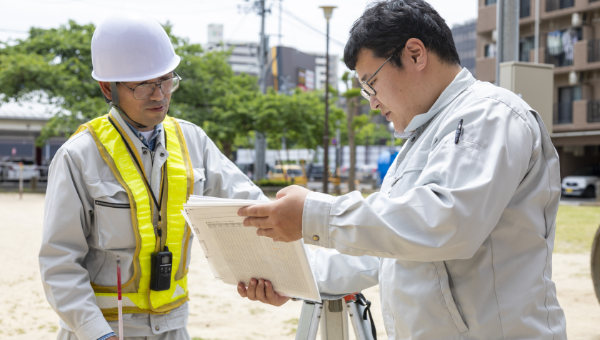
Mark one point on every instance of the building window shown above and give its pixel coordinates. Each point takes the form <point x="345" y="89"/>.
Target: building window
<point x="490" y="2"/>
<point x="552" y="5"/>
<point x="524" y="8"/>
<point x="525" y="47"/>
<point x="563" y="110"/>
<point x="490" y="50"/>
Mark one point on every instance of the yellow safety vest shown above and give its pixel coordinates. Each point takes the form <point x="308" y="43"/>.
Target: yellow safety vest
<point x="180" y="180"/>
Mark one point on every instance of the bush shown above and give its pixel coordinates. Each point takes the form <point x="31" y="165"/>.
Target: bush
<point x="271" y="183"/>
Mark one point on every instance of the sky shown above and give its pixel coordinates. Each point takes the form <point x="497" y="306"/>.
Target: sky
<point x="190" y="18"/>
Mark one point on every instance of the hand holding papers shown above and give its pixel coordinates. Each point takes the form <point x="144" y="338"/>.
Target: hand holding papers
<point x="280" y="220"/>
<point x="236" y="254"/>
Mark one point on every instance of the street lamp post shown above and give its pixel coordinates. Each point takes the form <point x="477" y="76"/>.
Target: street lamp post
<point x="327" y="11"/>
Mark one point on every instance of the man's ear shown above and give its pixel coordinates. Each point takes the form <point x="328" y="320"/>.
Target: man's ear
<point x="105" y="87"/>
<point x="416" y="51"/>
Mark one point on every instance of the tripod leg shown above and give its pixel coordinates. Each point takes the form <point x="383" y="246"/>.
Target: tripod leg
<point x="334" y="320"/>
<point x="362" y="328"/>
<point x="308" y="325"/>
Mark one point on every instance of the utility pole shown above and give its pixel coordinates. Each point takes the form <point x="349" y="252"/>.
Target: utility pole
<point x="280" y="9"/>
<point x="327" y="11"/>
<point x="260" y="144"/>
<point x="507" y="31"/>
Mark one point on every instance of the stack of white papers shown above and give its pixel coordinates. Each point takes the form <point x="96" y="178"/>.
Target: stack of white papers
<point x="236" y="254"/>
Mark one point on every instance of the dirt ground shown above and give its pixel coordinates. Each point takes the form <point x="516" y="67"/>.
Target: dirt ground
<point x="217" y="312"/>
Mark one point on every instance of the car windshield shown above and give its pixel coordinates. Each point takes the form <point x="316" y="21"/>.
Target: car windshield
<point x="588" y="171"/>
<point x="25" y="161"/>
<point x="294" y="172"/>
<point x="278" y="171"/>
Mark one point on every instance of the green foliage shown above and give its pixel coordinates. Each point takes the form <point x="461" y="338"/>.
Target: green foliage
<point x="576" y="227"/>
<point x="272" y="183"/>
<point x="56" y="63"/>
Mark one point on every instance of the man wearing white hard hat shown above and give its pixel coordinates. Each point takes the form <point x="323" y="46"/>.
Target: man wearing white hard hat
<point x="116" y="189"/>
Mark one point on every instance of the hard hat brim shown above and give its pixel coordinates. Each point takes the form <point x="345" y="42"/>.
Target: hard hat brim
<point x="142" y="77"/>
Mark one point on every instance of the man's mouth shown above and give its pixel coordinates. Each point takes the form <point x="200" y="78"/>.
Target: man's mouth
<point x="157" y="108"/>
<point x="386" y="115"/>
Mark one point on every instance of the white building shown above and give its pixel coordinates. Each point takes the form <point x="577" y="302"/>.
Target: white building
<point x="244" y="54"/>
<point x="320" y="70"/>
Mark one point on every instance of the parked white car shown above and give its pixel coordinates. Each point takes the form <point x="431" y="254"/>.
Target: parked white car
<point x="10" y="169"/>
<point x="582" y="183"/>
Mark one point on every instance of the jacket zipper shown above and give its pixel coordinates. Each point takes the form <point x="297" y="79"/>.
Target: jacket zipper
<point x="113" y="205"/>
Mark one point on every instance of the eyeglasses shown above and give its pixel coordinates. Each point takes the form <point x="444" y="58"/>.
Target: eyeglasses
<point x="145" y="90"/>
<point x="370" y="91"/>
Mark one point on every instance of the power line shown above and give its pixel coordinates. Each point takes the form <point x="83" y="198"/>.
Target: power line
<point x="312" y="28"/>
<point x="13" y="31"/>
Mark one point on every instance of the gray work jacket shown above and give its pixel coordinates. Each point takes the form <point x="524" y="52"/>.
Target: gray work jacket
<point x="460" y="236"/>
<point x="86" y="226"/>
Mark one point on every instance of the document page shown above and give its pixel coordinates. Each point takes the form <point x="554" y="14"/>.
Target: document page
<point x="236" y="254"/>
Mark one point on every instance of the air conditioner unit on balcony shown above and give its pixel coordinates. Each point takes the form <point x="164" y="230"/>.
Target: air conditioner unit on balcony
<point x="576" y="20"/>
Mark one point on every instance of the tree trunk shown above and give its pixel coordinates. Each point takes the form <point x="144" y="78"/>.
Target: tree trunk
<point x="353" y="109"/>
<point x="227" y="145"/>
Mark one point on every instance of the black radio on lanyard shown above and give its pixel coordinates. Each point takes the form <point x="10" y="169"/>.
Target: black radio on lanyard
<point x="162" y="261"/>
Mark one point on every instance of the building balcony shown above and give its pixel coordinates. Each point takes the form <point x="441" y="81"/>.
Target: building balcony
<point x="580" y="115"/>
<point x="553" y="5"/>
<point x="557" y="8"/>
<point x="486" y="20"/>
<point x="486" y="69"/>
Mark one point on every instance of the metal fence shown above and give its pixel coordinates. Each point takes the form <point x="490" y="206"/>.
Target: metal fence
<point x="557" y="60"/>
<point x="552" y="5"/>
<point x="593" y="111"/>
<point x="563" y="113"/>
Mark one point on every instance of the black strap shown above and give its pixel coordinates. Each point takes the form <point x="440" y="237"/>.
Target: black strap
<point x="361" y="300"/>
<point x="156" y="202"/>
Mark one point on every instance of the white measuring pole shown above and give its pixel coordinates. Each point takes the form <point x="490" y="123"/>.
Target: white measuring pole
<point x="21" y="181"/>
<point x="119" y="302"/>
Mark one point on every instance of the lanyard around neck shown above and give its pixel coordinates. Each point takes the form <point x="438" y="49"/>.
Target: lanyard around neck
<point x="162" y="186"/>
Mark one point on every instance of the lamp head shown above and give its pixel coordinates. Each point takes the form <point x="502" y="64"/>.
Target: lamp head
<point x="327" y="11"/>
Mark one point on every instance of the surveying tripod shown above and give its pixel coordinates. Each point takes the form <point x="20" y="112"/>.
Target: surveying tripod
<point x="332" y="315"/>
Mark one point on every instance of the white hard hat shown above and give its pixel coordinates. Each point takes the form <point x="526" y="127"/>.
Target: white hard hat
<point x="131" y="47"/>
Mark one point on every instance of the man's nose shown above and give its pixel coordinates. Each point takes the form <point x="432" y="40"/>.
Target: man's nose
<point x="157" y="94"/>
<point x="374" y="102"/>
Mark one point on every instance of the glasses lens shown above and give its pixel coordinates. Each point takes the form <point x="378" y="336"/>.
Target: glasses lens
<point x="170" y="85"/>
<point x="365" y="94"/>
<point x="143" y="91"/>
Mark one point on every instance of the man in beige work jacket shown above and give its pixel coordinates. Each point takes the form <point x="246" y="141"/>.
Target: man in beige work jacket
<point x="460" y="236"/>
<point x="116" y="188"/>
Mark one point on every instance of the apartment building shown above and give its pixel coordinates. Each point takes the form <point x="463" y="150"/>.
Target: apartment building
<point x="568" y="39"/>
<point x="465" y="40"/>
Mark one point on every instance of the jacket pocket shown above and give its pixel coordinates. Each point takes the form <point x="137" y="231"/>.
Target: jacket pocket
<point x="199" y="179"/>
<point x="114" y="226"/>
<point x="447" y="290"/>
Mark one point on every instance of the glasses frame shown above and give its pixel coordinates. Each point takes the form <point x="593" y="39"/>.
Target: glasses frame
<point x="363" y="91"/>
<point x="159" y="83"/>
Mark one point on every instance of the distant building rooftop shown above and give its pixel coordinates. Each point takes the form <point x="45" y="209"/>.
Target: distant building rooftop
<point x="27" y="110"/>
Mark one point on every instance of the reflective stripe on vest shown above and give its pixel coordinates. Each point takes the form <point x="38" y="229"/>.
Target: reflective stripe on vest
<point x="137" y="296"/>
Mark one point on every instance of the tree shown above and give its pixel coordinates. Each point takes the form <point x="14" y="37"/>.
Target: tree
<point x="56" y="64"/>
<point x="53" y="64"/>
<point x="355" y="122"/>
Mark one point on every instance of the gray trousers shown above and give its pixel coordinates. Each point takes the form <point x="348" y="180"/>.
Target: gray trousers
<point x="176" y="334"/>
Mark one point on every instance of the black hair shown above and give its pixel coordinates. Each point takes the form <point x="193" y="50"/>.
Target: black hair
<point x="386" y="26"/>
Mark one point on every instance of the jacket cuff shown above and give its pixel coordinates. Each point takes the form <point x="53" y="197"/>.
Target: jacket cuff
<point x="93" y="329"/>
<point x="315" y="219"/>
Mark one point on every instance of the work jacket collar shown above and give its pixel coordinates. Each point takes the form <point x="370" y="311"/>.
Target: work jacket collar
<point x="461" y="82"/>
<point x="159" y="134"/>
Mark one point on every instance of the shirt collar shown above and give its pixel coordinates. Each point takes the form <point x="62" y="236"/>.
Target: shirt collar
<point x="460" y="83"/>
